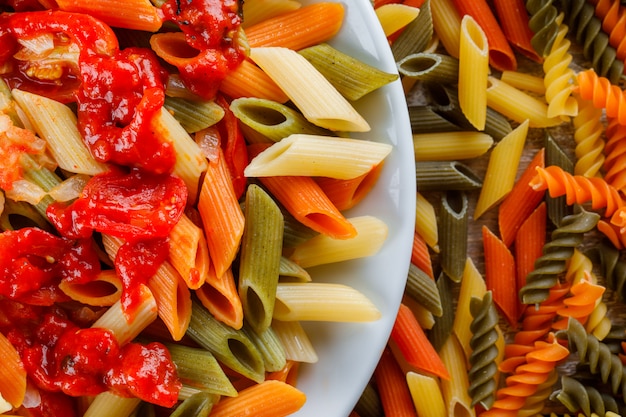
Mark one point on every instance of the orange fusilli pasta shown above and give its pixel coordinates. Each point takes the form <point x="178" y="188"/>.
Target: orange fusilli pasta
<point x="603" y="94"/>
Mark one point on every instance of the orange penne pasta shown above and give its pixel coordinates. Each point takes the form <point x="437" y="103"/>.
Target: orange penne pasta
<point x="415" y="347"/>
<point x="345" y="194"/>
<point x="102" y="291"/>
<point x="501" y="56"/>
<point x="306" y="201"/>
<point x="12" y="374"/>
<point x="500" y="275"/>
<point x="219" y="295"/>
<point x="270" y="398"/>
<point x="287" y="374"/>
<point x="221" y="215"/>
<point x="301" y="28"/>
<point x="392" y="387"/>
<point x="130" y="14"/>
<point x="513" y="19"/>
<point x="420" y="256"/>
<point x="248" y="80"/>
<point x="520" y="202"/>
<point x="189" y="252"/>
<point x="529" y="242"/>
<point x="173" y="299"/>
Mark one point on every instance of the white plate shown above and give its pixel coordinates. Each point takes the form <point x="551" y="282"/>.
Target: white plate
<point x="348" y="353"/>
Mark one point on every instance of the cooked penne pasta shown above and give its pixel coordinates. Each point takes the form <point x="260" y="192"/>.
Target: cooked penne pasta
<point x="266" y="399"/>
<point x="56" y="123"/>
<point x="194" y="115"/>
<point x="353" y="78"/>
<point x="109" y="404"/>
<point x="257" y="11"/>
<point x="130" y="14"/>
<point x="295" y="341"/>
<point x="259" y="259"/>
<point x="318" y="156"/>
<point x="189" y="252"/>
<point x="322" y="302"/>
<point x="371" y="234"/>
<point x="12" y="375"/>
<point x="104" y="290"/>
<point x="272" y="120"/>
<point x="220" y="297"/>
<point x="309" y="90"/>
<point x="269" y="346"/>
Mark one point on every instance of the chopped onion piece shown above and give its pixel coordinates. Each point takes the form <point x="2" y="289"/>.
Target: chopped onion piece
<point x="24" y="190"/>
<point x="69" y="189"/>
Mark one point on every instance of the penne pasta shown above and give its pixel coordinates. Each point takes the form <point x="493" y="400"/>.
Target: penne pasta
<point x="189" y="253"/>
<point x="426" y="395"/>
<point x="473" y="72"/>
<point x="318" y="156"/>
<point x="104" y="290"/>
<point x="371" y="234"/>
<point x="12" y="374"/>
<point x="267" y="399"/>
<point x="308" y="89"/>
<point x="130" y="14"/>
<point x="108" y="403"/>
<point x="472" y="285"/>
<point x="447" y="146"/>
<point x="295" y="341"/>
<point x="394" y="17"/>
<point x="219" y="296"/>
<point x="501" y="169"/>
<point x="256" y="11"/>
<point x="322" y="302"/>
<point x="56" y="123"/>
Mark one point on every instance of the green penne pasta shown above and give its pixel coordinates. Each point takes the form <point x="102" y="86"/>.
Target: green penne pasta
<point x="351" y="77"/>
<point x="421" y="288"/>
<point x="199" y="369"/>
<point x="231" y="347"/>
<point x="416" y="35"/>
<point x="557" y="207"/>
<point x="453" y="221"/>
<point x="42" y="177"/>
<point x="442" y="329"/>
<point x="294" y="232"/>
<point x="290" y="271"/>
<point x="194" y="115"/>
<point x="197" y="405"/>
<point x="445" y="175"/>
<point x="259" y="265"/>
<point x="425" y="119"/>
<point x="269" y="346"/>
<point x="430" y="68"/>
<point x="369" y="404"/>
<point x="271" y="120"/>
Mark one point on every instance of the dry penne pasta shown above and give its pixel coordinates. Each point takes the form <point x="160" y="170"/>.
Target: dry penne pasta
<point x="473" y="72"/>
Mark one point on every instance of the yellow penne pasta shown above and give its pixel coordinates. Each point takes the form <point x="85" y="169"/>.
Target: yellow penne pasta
<point x="426" y="222"/>
<point x="318" y="156"/>
<point x="472" y="285"/>
<point x="104" y="290"/>
<point x="257" y="11"/>
<point x="322" y="302"/>
<point x="309" y="90"/>
<point x="190" y="162"/>
<point x="447" y="25"/>
<point x="518" y="105"/>
<point x="501" y="169"/>
<point x="57" y="124"/>
<point x="455" y="390"/>
<point x="109" y="404"/>
<point x="295" y="341"/>
<point x="473" y="72"/>
<point x="426" y="395"/>
<point x="524" y="81"/>
<point x="394" y="17"/>
<point x="450" y="146"/>
<point x="323" y="249"/>
<point x="115" y="320"/>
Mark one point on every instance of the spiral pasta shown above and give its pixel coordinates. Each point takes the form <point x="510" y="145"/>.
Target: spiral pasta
<point x="578" y="189"/>
<point x="542" y="22"/>
<point x="615" y="154"/>
<point x="613" y="17"/>
<point x="556" y="254"/>
<point x="558" y="78"/>
<point x="535" y="403"/>
<point x="528" y="376"/>
<point x="597" y="356"/>
<point x="578" y="397"/>
<point x="603" y="93"/>
<point x="483" y="368"/>
<point x="590" y="146"/>
<point x="595" y="43"/>
<point x="612" y="267"/>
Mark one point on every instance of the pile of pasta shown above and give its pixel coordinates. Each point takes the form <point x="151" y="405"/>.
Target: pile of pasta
<point x="515" y="293"/>
<point x="228" y="301"/>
